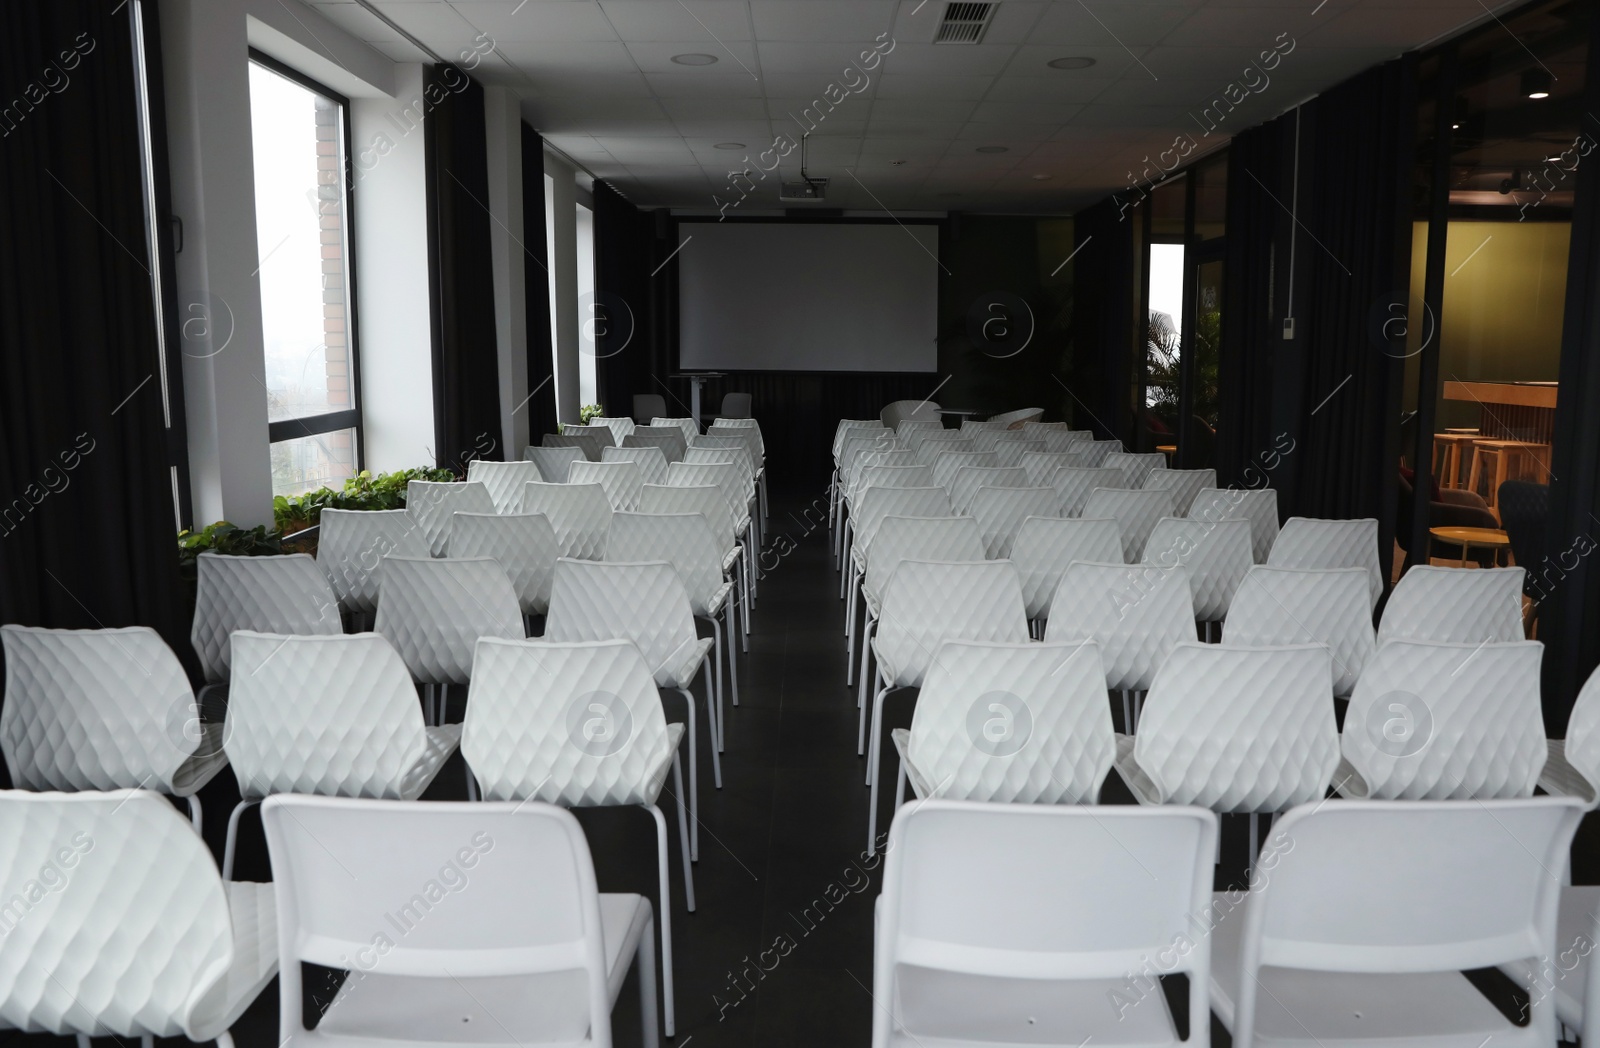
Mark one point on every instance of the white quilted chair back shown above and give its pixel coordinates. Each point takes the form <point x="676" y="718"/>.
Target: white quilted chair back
<point x="898" y="457"/>
<point x="622" y="481"/>
<point x="878" y="503"/>
<point x="668" y="438"/>
<point x="1001" y="511"/>
<point x="577" y="724"/>
<point x="847" y="427"/>
<point x="732" y="440"/>
<point x="1454" y="605"/>
<point x="503" y="480"/>
<point x="335" y="715"/>
<point x="867" y="442"/>
<point x="1060" y="440"/>
<point x="901" y="412"/>
<point x="890" y="476"/>
<point x="1136" y="464"/>
<point x="909" y="429"/>
<point x="645" y="603"/>
<point x="1582" y="746"/>
<point x="651" y="462"/>
<point x="620" y="425"/>
<point x="1010" y="450"/>
<point x="926" y="604"/>
<point x="124" y="926"/>
<point x="1094" y="452"/>
<point x="1040" y="466"/>
<point x="1074" y="483"/>
<point x="1257" y="505"/>
<point x="579" y="513"/>
<point x="946" y="465"/>
<point x="1239" y="729"/>
<point x="278" y="594"/>
<point x="1136" y="510"/>
<point x="98" y="710"/>
<point x="1216" y="555"/>
<point x="704" y="499"/>
<point x="984" y="439"/>
<point x="736" y="456"/>
<point x="1044" y="546"/>
<point x="1137" y="614"/>
<point x="1184" y="484"/>
<point x="1043" y="729"/>
<point x="602" y="435"/>
<point x="524" y="544"/>
<point x="1307" y="542"/>
<point x="917" y="538"/>
<point x="684" y="540"/>
<point x="352" y="542"/>
<point x="972" y="426"/>
<point x="1299" y="606"/>
<point x="723" y="424"/>
<point x="430" y="504"/>
<point x="684" y="425"/>
<point x="929" y="447"/>
<point x="1447" y="722"/>
<point x="728" y="477"/>
<point x="433" y="612"/>
<point x="969" y="479"/>
<point x="554" y="463"/>
<point x="587" y="443"/>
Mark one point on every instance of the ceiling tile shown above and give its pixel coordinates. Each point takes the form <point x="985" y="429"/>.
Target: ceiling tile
<point x="947" y="59"/>
<point x="655" y="56"/>
<point x="585" y="59"/>
<point x="707" y="20"/>
<point x="911" y="85"/>
<point x="834" y="20"/>
<point x="704" y="85"/>
<point x="510" y="20"/>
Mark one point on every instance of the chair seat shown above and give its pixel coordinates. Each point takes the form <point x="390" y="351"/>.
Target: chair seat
<point x="713" y="605"/>
<point x="252" y="909"/>
<point x="1560" y="777"/>
<point x="902" y="744"/>
<point x="202" y="766"/>
<point x="679" y="669"/>
<point x="730" y="558"/>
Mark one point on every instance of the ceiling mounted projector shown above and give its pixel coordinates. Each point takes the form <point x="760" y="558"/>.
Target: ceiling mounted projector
<point x="807" y="188"/>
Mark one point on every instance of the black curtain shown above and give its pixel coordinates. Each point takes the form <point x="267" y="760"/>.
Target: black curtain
<point x="1102" y="321"/>
<point x="86" y="523"/>
<point x="466" y="365"/>
<point x="541" y="406"/>
<point x="617" y="321"/>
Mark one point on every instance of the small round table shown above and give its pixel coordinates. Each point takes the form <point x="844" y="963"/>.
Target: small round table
<point x="1473" y="538"/>
<point x="959" y="414"/>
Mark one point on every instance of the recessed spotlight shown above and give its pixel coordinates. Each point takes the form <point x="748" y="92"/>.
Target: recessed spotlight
<point x="1553" y="159"/>
<point x="695" y="59"/>
<point x="1455" y="127"/>
<point x="1536" y="83"/>
<point x="728" y="145"/>
<point x="994" y="149"/>
<point x="1041" y="177"/>
<point x="1074" y="62"/>
<point x="896" y="163"/>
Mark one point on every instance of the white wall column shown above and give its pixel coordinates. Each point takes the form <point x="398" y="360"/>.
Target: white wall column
<point x="564" y="279"/>
<point x="503" y="119"/>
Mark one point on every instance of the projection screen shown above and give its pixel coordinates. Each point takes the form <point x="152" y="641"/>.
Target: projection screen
<point x="808" y="297"/>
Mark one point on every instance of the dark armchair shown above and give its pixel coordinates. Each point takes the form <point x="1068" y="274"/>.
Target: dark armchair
<point x="1455" y="508"/>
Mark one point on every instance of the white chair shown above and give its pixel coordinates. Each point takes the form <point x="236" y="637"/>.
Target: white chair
<point x="707" y="500"/>
<point x="891" y="476"/>
<point x="970" y="427"/>
<point x="430" y="504"/>
<point x="1059" y="440"/>
<point x="620" y="425"/>
<point x="648" y="605"/>
<point x="1044" y="546"/>
<point x="861" y="445"/>
<point x="871" y="509"/>
<point x="847" y="425"/>
<point x="579" y="726"/>
<point x="350" y="545"/>
<point x="733" y="449"/>
<point x="103" y="710"/>
<point x="1257" y="505"/>
<point x="726" y="423"/>
<point x="524" y="544"/>
<point x="669" y="439"/>
<point x="1040" y="466"/>
<point x="647" y="406"/>
<point x="1136" y="511"/>
<point x="902" y="411"/>
<point x="1435" y="721"/>
<point x="602" y="435"/>
<point x="1298" y="606"/>
<point x="554" y="463"/>
<point x="651" y="462"/>
<point x="906" y="429"/>
<point x="1094" y="451"/>
<point x="924" y="605"/>
<point x="1306" y="542"/>
<point x="1075" y="483"/>
<point x="1216" y="556"/>
<point x="621" y="481"/>
<point x="1011" y="450"/>
<point x="759" y="449"/>
<point x="579" y="513"/>
<point x="504" y="481"/>
<point x="1018" y="418"/>
<point x="1001" y="511"/>
<point x="929" y="448"/>
<point x="136" y="934"/>
<point x="945" y="466"/>
<point x="968" y="479"/>
<point x="587" y="443"/>
<point x="532" y="954"/>
<point x="683" y="424"/>
<point x="1137" y="465"/>
<point x="1373" y="911"/>
<point x="739" y="492"/>
<point x="331" y="715"/>
<point x="1454" y="605"/>
<point x="278" y="594"/>
<point x="1572" y="766"/>
<point x="1184" y="484"/>
<point x="1000" y="924"/>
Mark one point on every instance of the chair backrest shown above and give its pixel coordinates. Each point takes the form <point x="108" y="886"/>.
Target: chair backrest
<point x="345" y="867"/>
<point x="736" y="456"/>
<point x="524" y="544"/>
<point x="1307" y="542"/>
<point x="1018" y="418"/>
<point x="881" y="476"/>
<point x="277" y="594"/>
<point x="430" y="504"/>
<point x="735" y="405"/>
<point x="647" y="406"/>
<point x="1074" y="483"/>
<point x="726" y="423"/>
<point x="901" y="411"/>
<point x="684" y="540"/>
<point x="1001" y="511"/>
<point x="1257" y="505"/>
<point x="730" y="477"/>
<point x="668" y="439"/>
<point x="895" y="457"/>
<point x="96" y="710"/>
<point x="504" y="480"/>
<point x="704" y="499"/>
<point x="971" y="426"/>
<point x="1137" y="614"/>
<point x="1040" y="466"/>
<point x="651" y="462"/>
<point x="968" y="479"/>
<point x="1184" y="484"/>
<point x="1094" y="452"/>
<point x="1044" y="546"/>
<point x="848" y="425"/>
<point x="602" y="434"/>
<point x="334" y="715"/>
<point x="1059" y="440"/>
<point x="918" y="538"/>
<point x="119" y="913"/>
<point x="926" y="604"/>
<point x="1392" y="887"/>
<point x="741" y="443"/>
<point x="1136" y="510"/>
<point x="620" y="425"/>
<point x="579" y="513"/>
<point x="1447" y="722"/>
<point x="433" y="612"/>
<point x="1136" y="464"/>
<point x="588" y="443"/>
<point x="1216" y="555"/>
<point x="1454" y="605"/>
<point x="682" y="423"/>
<point x="877" y="503"/>
<point x="1036" y="892"/>
<point x="1010" y="450"/>
<point x="555" y="463"/>
<point x="911" y="428"/>
<point x="1302" y="605"/>
<point x="865" y="442"/>
<point x="643" y="603"/>
<point x="1015" y="723"/>
<point x="351" y="543"/>
<point x="1240" y="729"/>
<point x="929" y="448"/>
<point x="578" y="724"/>
<point x="946" y="464"/>
<point x="621" y="481"/>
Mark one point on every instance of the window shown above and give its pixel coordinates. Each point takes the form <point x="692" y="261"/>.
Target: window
<point x="300" y="134"/>
<point x="588" y="319"/>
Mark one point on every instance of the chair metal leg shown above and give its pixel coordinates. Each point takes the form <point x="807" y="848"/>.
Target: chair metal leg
<point x="1127" y="712"/>
<point x="645" y="959"/>
<point x="861" y="683"/>
<point x="683" y="832"/>
<point x="196" y="816"/>
<point x="900" y="785"/>
<point x="230" y="844"/>
<point x="733" y="659"/>
<point x="716" y="658"/>
<point x="722" y="732"/>
<point x="714" y="731"/>
<point x="873" y="742"/>
<point x="472" y="785"/>
<point x="665" y="913"/>
<point x="874" y="771"/>
<point x="694" y="780"/>
<point x="845" y="560"/>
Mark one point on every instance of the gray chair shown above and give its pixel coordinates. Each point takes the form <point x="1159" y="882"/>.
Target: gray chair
<point x="647" y="406"/>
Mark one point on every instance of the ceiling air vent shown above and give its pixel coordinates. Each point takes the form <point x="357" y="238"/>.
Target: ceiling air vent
<point x="964" y="23"/>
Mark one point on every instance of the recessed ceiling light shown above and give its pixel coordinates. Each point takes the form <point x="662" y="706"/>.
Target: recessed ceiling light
<point x="994" y="149"/>
<point x="728" y="145"/>
<point x="695" y="59"/>
<point x="896" y="163"/>
<point x="1536" y="83"/>
<point x="1553" y="159"/>
<point x="1041" y="177"/>
<point x="1073" y="62"/>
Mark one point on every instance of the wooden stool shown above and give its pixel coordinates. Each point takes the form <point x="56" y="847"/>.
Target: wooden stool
<point x="1447" y="457"/>
<point x="1498" y="461"/>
